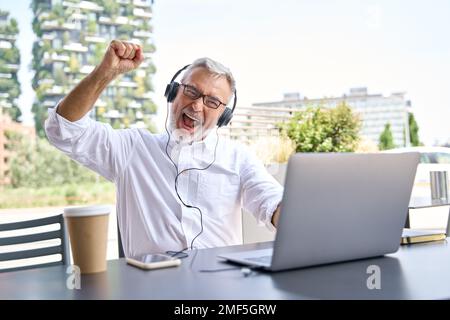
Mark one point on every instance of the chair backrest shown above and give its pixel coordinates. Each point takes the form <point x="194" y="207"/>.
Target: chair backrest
<point x="62" y="248"/>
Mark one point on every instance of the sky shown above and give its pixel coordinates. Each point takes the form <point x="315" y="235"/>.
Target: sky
<point x="318" y="48"/>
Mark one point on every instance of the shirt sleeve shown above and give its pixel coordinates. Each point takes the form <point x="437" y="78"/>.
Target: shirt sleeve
<point x="261" y="192"/>
<point x="93" y="144"/>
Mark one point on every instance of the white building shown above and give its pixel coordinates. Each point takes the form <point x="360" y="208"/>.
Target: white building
<point x="375" y="111"/>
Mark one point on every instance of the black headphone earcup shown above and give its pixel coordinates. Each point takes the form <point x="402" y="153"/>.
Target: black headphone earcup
<point x="171" y="91"/>
<point x="225" y="118"/>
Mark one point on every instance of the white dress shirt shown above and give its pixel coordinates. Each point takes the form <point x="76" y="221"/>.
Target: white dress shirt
<point x="151" y="217"/>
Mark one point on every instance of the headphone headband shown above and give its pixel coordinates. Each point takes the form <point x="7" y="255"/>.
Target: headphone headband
<point x="178" y="72"/>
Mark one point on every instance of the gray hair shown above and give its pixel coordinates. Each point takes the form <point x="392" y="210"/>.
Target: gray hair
<point x="215" y="68"/>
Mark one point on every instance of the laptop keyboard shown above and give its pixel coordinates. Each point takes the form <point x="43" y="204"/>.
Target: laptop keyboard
<point x="262" y="260"/>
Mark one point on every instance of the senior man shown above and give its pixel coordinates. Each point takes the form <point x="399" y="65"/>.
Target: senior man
<point x="178" y="190"/>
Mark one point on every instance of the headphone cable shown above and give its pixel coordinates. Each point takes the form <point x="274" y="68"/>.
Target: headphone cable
<point x="181" y="253"/>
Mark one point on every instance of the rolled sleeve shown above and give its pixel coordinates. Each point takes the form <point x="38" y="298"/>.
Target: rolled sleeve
<point x="62" y="132"/>
<point x="261" y="192"/>
<point x="95" y="145"/>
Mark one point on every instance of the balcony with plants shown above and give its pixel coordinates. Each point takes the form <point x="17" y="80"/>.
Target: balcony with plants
<point x="9" y="65"/>
<point x="78" y="51"/>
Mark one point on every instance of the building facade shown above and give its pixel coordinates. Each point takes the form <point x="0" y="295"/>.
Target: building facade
<point x="72" y="38"/>
<point x="375" y="111"/>
<point x="9" y="66"/>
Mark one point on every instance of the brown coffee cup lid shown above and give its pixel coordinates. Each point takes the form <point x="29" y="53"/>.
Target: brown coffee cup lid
<point x="84" y="211"/>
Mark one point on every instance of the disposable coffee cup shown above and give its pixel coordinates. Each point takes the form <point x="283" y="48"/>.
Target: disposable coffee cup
<point x="88" y="231"/>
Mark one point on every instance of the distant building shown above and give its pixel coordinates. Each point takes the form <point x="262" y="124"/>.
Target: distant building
<point x="9" y="66"/>
<point x="72" y="39"/>
<point x="375" y="111"/>
<point x="8" y="125"/>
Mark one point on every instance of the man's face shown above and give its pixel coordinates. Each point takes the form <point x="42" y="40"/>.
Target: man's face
<point x="191" y="117"/>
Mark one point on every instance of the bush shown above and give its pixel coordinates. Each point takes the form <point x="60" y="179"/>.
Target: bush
<point x="319" y="129"/>
<point x="386" y="138"/>
<point x="71" y="194"/>
<point x="39" y="164"/>
<point x="61" y="195"/>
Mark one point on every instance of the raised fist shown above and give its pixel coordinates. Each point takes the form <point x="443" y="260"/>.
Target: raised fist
<point x="121" y="57"/>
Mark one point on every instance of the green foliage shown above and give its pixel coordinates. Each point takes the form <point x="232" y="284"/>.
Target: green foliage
<point x="10" y="86"/>
<point x="148" y="85"/>
<point x="115" y="124"/>
<point x="38" y="5"/>
<point x="140" y="90"/>
<point x="39" y="118"/>
<point x="96" y="56"/>
<point x="10" y="29"/>
<point x="60" y="77"/>
<point x="11" y="55"/>
<point x="74" y="64"/>
<point x="413" y="130"/>
<point x="38" y="164"/>
<point x="149" y="107"/>
<point x="149" y="48"/>
<point x="57" y="12"/>
<point x="15" y="113"/>
<point x="71" y="194"/>
<point x="110" y="7"/>
<point x="125" y="30"/>
<point x="318" y="129"/>
<point x="92" y="27"/>
<point x="62" y="195"/>
<point x="386" y="138"/>
<point x="151" y="68"/>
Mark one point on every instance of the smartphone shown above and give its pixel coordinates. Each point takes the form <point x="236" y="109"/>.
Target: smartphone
<point x="153" y="261"/>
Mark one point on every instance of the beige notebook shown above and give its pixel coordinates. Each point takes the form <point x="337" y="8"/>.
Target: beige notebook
<point x="411" y="236"/>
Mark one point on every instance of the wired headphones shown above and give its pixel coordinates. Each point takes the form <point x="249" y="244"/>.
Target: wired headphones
<point x="225" y="118"/>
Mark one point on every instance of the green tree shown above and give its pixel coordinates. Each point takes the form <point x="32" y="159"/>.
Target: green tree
<point x="413" y="130"/>
<point x="386" y="138"/>
<point x="37" y="164"/>
<point x="319" y="129"/>
<point x="39" y="116"/>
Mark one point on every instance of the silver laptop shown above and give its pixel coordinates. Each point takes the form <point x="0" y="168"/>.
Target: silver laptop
<point x="338" y="207"/>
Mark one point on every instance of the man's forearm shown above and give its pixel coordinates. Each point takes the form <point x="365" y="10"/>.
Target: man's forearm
<point x="83" y="97"/>
<point x="276" y="216"/>
<point x="120" y="57"/>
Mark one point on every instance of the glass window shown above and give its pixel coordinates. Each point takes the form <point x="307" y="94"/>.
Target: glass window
<point x="442" y="157"/>
<point x="424" y="158"/>
<point x="57" y="43"/>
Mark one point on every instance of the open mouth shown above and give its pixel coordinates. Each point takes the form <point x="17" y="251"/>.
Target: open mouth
<point x="189" y="122"/>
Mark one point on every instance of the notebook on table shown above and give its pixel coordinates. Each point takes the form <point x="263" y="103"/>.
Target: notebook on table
<point x="411" y="236"/>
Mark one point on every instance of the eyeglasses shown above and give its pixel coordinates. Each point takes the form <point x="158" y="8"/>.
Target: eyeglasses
<point x="192" y="93"/>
